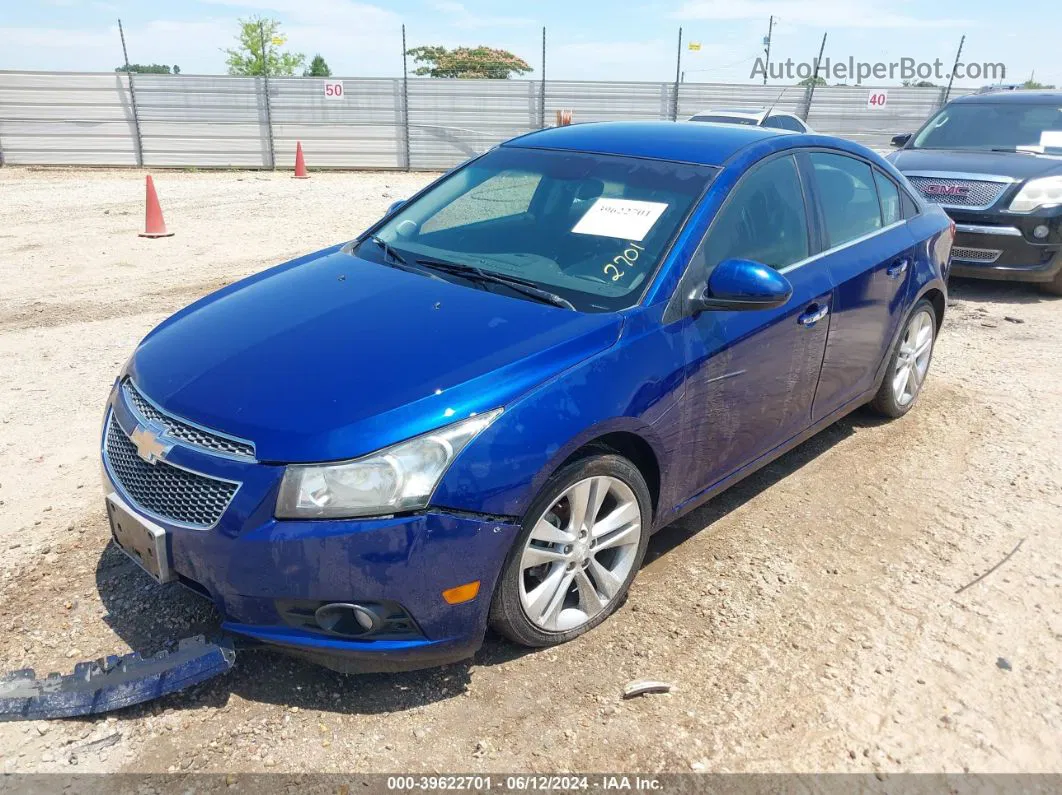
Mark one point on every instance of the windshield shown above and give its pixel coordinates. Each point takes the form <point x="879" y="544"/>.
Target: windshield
<point x="1007" y="126"/>
<point x="588" y="228"/>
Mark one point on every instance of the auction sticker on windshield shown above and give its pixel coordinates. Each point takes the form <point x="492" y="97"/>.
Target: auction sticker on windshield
<point x="624" y="218"/>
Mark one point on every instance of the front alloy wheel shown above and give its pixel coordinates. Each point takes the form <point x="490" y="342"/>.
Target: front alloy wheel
<point x="582" y="544"/>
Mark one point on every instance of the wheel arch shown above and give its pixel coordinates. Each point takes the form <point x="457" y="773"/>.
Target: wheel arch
<point x="626" y="437"/>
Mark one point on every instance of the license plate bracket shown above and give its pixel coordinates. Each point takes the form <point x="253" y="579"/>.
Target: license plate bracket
<point x="143" y="541"/>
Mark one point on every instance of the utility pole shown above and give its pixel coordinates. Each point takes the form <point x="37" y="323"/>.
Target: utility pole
<point x="814" y="79"/>
<point x="767" y="49"/>
<point x="138" y="139"/>
<point x="678" y="77"/>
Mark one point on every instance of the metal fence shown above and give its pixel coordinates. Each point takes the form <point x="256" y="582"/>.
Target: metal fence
<point x="63" y="118"/>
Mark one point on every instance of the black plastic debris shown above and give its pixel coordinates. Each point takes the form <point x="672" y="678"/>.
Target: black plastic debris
<point x="113" y="682"/>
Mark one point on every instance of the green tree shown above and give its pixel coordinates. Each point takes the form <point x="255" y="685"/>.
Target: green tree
<point x="468" y="62"/>
<point x="247" y="57"/>
<point x="807" y="81"/>
<point x="318" y="68"/>
<point x="918" y="84"/>
<point x="149" y="69"/>
<point x="1033" y="84"/>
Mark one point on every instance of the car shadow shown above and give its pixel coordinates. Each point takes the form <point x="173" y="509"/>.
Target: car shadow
<point x="149" y="617"/>
<point x="988" y="291"/>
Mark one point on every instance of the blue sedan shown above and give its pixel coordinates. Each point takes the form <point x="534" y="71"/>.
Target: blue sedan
<point x="476" y="413"/>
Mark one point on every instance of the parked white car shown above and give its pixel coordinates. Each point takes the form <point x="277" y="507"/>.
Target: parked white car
<point x="754" y="118"/>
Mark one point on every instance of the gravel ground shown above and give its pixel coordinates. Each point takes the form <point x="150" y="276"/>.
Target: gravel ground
<point x="808" y="619"/>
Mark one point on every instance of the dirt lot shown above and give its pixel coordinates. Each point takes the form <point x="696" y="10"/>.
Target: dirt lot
<point x="808" y="618"/>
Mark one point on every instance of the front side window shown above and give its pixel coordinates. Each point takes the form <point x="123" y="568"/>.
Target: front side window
<point x="848" y="197"/>
<point x="588" y="228"/>
<point x="763" y="220"/>
<point x="995" y="126"/>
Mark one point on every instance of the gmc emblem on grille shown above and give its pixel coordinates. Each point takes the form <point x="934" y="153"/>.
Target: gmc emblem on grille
<point x="936" y="189"/>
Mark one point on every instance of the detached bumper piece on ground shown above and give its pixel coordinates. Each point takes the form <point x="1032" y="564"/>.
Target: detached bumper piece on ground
<point x="113" y="682"/>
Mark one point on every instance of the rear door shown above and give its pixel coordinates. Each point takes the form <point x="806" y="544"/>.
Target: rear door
<point x="869" y="254"/>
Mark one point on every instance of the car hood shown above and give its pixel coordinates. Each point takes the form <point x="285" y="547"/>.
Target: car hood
<point x="1019" y="166"/>
<point x="331" y="356"/>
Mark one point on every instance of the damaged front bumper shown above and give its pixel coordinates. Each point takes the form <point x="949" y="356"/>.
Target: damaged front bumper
<point x="113" y="682"/>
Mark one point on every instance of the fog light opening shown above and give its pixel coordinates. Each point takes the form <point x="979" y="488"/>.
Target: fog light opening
<point x="345" y="618"/>
<point x="461" y="593"/>
<point x="1041" y="231"/>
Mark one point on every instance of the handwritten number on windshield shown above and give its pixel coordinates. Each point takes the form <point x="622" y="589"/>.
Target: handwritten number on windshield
<point x="627" y="258"/>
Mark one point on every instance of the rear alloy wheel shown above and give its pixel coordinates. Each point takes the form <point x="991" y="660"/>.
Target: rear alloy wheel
<point x="582" y="544"/>
<point x="909" y="363"/>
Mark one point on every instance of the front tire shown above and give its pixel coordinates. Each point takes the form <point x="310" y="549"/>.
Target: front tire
<point x="1054" y="287"/>
<point x="909" y="363"/>
<point x="582" y="543"/>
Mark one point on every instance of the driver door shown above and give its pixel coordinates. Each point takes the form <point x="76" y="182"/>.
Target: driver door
<point x="751" y="374"/>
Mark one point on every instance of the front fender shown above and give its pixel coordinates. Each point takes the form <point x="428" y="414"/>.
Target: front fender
<point x="630" y="387"/>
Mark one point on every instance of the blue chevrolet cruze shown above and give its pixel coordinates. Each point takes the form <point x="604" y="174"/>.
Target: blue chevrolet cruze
<point x="476" y="413"/>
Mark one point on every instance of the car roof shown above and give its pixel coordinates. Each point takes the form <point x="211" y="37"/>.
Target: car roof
<point x="707" y="144"/>
<point x="749" y="113"/>
<point x="1007" y="97"/>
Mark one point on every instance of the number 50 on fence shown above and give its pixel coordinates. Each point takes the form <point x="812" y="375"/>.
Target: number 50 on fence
<point x="333" y="89"/>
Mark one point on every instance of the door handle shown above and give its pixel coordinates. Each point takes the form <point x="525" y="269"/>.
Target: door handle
<point x="813" y="314"/>
<point x="898" y="269"/>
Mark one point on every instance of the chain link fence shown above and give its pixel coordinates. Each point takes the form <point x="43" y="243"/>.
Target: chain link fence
<point x="65" y="118"/>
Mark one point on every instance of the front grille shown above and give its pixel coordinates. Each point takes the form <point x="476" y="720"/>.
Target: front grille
<point x="183" y="431"/>
<point x="985" y="255"/>
<point x="166" y="491"/>
<point x="979" y="193"/>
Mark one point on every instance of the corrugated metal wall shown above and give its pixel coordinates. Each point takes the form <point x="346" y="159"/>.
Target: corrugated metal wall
<point x="61" y="118"/>
<point x="49" y="118"/>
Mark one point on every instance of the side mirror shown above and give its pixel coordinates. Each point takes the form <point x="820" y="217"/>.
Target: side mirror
<point x="395" y="207"/>
<point x="742" y="284"/>
<point x="901" y="139"/>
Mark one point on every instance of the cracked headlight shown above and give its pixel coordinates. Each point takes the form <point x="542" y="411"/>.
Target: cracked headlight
<point x="398" y="478"/>
<point x="1036" y="193"/>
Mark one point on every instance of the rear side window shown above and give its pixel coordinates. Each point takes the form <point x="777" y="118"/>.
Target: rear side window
<point x="764" y="219"/>
<point x="783" y="123"/>
<point x="889" y="195"/>
<point x="847" y="195"/>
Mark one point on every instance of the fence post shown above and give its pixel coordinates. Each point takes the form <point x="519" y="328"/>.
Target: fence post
<point x="138" y="140"/>
<point x="405" y="98"/>
<point x="268" y="109"/>
<point x="678" y="76"/>
<point x="542" y="106"/>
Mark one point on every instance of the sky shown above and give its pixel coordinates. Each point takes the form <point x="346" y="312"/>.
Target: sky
<point x="586" y="39"/>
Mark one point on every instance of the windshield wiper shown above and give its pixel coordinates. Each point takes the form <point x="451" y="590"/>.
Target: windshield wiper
<point x="514" y="283"/>
<point x="388" y="249"/>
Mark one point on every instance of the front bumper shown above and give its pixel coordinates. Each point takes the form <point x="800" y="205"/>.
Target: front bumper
<point x="996" y="245"/>
<point x="251" y="565"/>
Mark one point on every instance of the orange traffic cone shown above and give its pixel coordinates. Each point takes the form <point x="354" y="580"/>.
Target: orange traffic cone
<point x="300" y="163"/>
<point x="154" y="225"/>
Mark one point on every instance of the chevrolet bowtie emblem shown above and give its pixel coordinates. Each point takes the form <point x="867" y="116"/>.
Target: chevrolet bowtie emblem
<point x="148" y="444"/>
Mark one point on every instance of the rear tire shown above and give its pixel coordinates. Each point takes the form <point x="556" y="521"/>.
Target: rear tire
<point x="582" y="543"/>
<point x="909" y="363"/>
